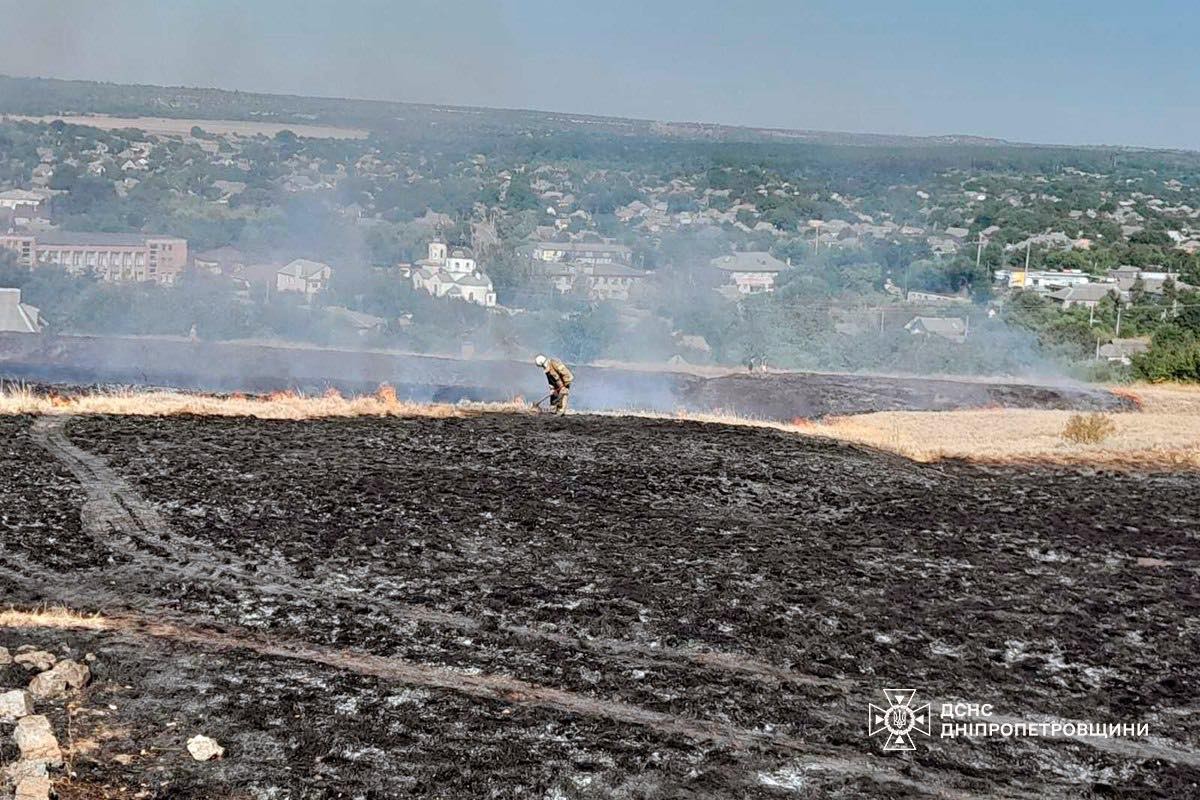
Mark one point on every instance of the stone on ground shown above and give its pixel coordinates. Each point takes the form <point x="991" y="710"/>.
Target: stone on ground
<point x="14" y="705"/>
<point x="75" y="674"/>
<point x="55" y="681"/>
<point x="203" y="748"/>
<point x="33" y="789"/>
<point x="35" y="739"/>
<point x="35" y="660"/>
<point x="5" y="657"/>
<point x="25" y="769"/>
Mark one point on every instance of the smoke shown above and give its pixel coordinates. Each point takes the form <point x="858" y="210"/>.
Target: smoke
<point x="831" y="312"/>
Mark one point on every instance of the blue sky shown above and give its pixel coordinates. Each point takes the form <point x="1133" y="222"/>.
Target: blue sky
<point x="1097" y="72"/>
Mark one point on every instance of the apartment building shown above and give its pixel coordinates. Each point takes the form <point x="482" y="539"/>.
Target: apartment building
<point x="111" y="256"/>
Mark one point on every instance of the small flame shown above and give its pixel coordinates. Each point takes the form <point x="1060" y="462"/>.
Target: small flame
<point x="386" y="394"/>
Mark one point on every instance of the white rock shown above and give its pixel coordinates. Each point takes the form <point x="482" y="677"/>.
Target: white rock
<point x="5" y="657"/>
<point x="35" y="660"/>
<point x="35" y="739"/>
<point x="14" y="705"/>
<point x="33" y="789"/>
<point x="203" y="748"/>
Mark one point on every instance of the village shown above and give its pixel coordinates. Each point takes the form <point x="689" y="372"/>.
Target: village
<point x="588" y="237"/>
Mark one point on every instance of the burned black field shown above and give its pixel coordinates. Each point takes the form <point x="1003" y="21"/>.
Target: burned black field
<point x="530" y="607"/>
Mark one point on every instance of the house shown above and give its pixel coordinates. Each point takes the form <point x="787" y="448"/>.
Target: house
<point x="41" y="175"/>
<point x="1087" y="295"/>
<point x="1041" y="279"/>
<point x="953" y="329"/>
<point x="18" y="317"/>
<point x="597" y="281"/>
<point x="1120" y="350"/>
<point x="1152" y="281"/>
<point x="1054" y="240"/>
<point x="304" y="277"/>
<point x="262" y="276"/>
<point x="561" y="276"/>
<point x="24" y="203"/>
<point x="582" y="252"/>
<point x="936" y="299"/>
<point x="942" y="245"/>
<point x="750" y="272"/>
<point x="221" y="260"/>
<point x="357" y="321"/>
<point x="612" y="281"/>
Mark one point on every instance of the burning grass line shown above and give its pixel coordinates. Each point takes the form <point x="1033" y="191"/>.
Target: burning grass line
<point x="278" y="405"/>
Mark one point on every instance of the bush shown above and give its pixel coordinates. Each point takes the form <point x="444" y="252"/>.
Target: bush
<point x="1170" y="358"/>
<point x="1088" y="428"/>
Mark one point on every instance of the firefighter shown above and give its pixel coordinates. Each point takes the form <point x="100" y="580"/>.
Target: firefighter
<point x="559" y="376"/>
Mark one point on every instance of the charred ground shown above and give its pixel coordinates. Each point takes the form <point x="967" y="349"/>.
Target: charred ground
<point x="597" y="607"/>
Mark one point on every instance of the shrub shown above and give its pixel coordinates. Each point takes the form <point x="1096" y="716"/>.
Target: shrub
<point x="1088" y="428"/>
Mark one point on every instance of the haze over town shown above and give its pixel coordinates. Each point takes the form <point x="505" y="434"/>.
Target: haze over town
<point x="1075" y="72"/>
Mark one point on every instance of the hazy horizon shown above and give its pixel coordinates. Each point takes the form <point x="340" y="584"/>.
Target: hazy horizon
<point x="1077" y="74"/>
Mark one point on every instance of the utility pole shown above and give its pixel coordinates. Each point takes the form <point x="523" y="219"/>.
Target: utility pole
<point x="979" y="250"/>
<point x="1118" y="332"/>
<point x="1092" y="318"/>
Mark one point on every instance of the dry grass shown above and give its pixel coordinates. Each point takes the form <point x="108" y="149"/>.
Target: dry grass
<point x="1088" y="428"/>
<point x="58" y="617"/>
<point x="1171" y="398"/>
<point x="280" y="405"/>
<point x="1142" y="439"/>
<point x="1138" y="440"/>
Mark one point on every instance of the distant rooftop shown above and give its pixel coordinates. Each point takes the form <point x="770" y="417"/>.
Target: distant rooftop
<point x="590" y="247"/>
<point x="617" y="271"/>
<point x="303" y="268"/>
<point x="77" y="238"/>
<point x="749" y="262"/>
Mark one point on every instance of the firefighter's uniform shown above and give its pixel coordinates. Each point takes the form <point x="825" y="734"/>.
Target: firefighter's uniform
<point x="559" y="376"/>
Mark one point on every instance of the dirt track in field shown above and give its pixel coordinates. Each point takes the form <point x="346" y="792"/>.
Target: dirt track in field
<point x="599" y="607"/>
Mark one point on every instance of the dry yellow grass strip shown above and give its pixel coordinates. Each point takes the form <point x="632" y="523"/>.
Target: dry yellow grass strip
<point x="1142" y="439"/>
<point x="281" y="405"/>
<point x="1172" y="398"/>
<point x="58" y="617"/>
